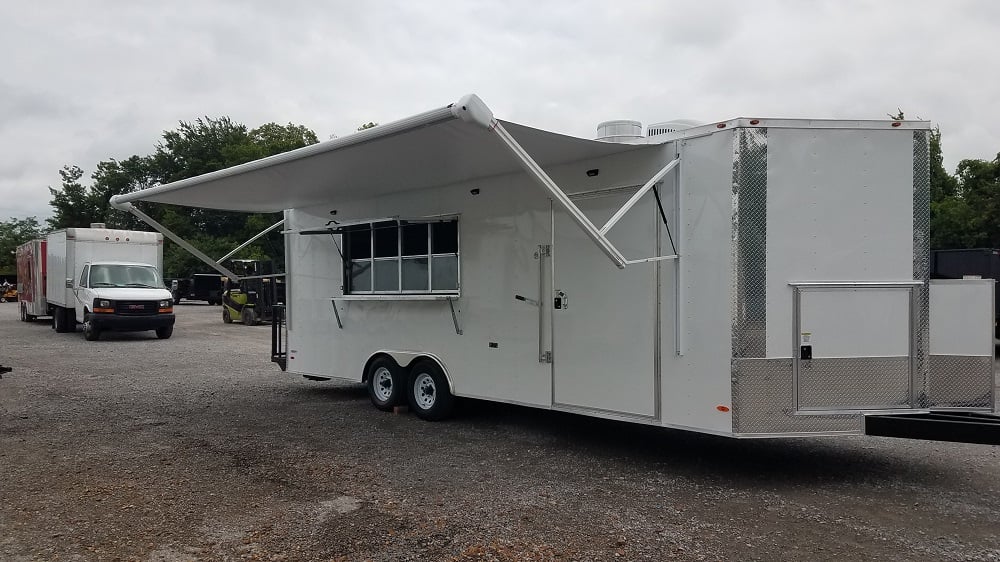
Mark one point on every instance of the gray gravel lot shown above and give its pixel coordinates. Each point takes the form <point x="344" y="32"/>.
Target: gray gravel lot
<point x="197" y="448"/>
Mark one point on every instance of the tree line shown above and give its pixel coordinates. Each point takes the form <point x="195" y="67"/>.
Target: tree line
<point x="965" y="206"/>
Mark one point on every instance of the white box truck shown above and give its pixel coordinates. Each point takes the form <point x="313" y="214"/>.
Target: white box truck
<point x="107" y="280"/>
<point x="749" y="278"/>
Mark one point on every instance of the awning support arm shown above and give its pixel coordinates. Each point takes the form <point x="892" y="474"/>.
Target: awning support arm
<point x="472" y="109"/>
<point x="129" y="207"/>
<point x="251" y="241"/>
<point x="638" y="195"/>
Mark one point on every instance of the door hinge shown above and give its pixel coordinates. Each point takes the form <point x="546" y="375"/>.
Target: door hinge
<point x="545" y="357"/>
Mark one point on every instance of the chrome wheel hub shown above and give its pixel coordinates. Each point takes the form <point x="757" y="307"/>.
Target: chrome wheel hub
<point x="382" y="384"/>
<point x="424" y="391"/>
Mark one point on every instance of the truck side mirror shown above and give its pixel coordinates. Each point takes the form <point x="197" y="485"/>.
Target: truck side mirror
<point x="69" y="283"/>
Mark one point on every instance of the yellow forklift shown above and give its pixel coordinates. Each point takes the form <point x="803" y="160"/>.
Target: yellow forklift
<point x="251" y="300"/>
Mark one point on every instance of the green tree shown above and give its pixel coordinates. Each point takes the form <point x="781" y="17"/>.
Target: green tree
<point x="13" y="233"/>
<point x="73" y="205"/>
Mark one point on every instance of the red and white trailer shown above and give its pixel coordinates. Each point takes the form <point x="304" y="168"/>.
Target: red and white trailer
<point x="31" y="274"/>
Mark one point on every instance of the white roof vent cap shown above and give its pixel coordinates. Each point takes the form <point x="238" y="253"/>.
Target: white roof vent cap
<point x="619" y="131"/>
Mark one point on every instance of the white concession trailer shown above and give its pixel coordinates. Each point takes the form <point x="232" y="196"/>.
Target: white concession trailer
<point x="747" y="278"/>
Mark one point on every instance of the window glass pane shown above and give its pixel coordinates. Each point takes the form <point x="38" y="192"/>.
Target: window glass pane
<point x="386" y="239"/>
<point x="415" y="239"/>
<point x="386" y="274"/>
<point x="444" y="273"/>
<point x="83" y="278"/>
<point x="415" y="274"/>
<point x="361" y="275"/>
<point x="444" y="237"/>
<point x="359" y="241"/>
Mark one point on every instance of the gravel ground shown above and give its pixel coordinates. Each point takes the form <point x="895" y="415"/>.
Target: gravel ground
<point x="197" y="448"/>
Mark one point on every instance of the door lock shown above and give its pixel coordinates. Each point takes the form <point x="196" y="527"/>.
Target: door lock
<point x="561" y="301"/>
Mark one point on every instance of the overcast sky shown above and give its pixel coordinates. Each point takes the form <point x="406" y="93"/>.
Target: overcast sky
<point x="88" y="81"/>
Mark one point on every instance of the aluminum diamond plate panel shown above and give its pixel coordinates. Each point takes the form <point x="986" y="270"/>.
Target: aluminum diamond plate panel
<point x="921" y="264"/>
<point x="961" y="381"/>
<point x="762" y="402"/>
<point x="854" y="383"/>
<point x="749" y="243"/>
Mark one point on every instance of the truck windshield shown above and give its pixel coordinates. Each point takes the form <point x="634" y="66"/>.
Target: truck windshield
<point x="106" y="275"/>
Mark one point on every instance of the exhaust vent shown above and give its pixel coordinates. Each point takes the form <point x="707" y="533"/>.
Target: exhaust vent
<point x="671" y="126"/>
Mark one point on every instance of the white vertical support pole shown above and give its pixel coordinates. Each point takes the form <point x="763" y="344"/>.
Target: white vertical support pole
<point x="679" y="309"/>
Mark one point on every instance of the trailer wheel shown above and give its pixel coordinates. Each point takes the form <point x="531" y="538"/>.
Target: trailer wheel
<point x="90" y="331"/>
<point x="249" y="317"/>
<point x="24" y="315"/>
<point x="428" y="393"/>
<point x="386" y="384"/>
<point x="226" y="318"/>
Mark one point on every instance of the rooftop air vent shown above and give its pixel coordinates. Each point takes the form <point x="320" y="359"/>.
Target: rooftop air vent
<point x="671" y="126"/>
<point x="621" y="130"/>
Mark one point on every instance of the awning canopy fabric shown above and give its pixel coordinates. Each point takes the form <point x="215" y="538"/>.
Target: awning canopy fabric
<point x="430" y="149"/>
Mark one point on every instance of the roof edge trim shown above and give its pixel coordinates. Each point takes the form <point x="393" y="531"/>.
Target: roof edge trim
<point x="431" y="117"/>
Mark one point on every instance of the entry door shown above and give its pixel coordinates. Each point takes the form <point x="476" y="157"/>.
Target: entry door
<point x="604" y="318"/>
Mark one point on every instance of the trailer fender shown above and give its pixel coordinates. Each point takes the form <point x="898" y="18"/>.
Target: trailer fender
<point x="406" y="358"/>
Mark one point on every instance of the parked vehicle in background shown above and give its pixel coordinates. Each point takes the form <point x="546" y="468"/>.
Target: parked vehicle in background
<point x="251" y="300"/>
<point x="199" y="287"/>
<point x="31" y="273"/>
<point x="107" y="280"/>
<point x="8" y="292"/>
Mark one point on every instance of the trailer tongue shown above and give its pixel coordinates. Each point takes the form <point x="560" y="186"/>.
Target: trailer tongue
<point x="959" y="427"/>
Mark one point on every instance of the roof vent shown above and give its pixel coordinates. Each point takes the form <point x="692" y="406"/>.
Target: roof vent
<point x="621" y="130"/>
<point x="671" y="126"/>
<point x="97" y="225"/>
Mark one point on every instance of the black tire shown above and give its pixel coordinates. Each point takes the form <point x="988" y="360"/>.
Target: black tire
<point x="90" y="332"/>
<point x="249" y="316"/>
<point x="165" y="332"/>
<point x="428" y="393"/>
<point x="24" y="314"/>
<point x="60" y="320"/>
<point x="226" y="318"/>
<point x="386" y="384"/>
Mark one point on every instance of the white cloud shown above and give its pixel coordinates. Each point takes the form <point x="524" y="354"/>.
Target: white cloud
<point x="84" y="82"/>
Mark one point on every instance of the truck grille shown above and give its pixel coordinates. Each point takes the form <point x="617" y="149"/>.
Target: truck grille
<point x="136" y="308"/>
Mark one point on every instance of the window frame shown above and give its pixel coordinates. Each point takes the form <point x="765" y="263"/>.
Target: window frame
<point x="348" y="262"/>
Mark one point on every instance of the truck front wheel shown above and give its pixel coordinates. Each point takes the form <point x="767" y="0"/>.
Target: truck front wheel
<point x="164" y="332"/>
<point x="90" y="331"/>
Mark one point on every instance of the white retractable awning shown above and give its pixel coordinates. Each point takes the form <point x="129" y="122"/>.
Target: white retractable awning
<point x="460" y="142"/>
<point x="434" y="148"/>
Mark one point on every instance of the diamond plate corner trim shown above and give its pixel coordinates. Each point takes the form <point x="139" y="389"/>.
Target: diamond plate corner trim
<point x="762" y="403"/>
<point x="748" y="305"/>
<point x="920" y="369"/>
<point x="749" y="244"/>
<point x="961" y="381"/>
